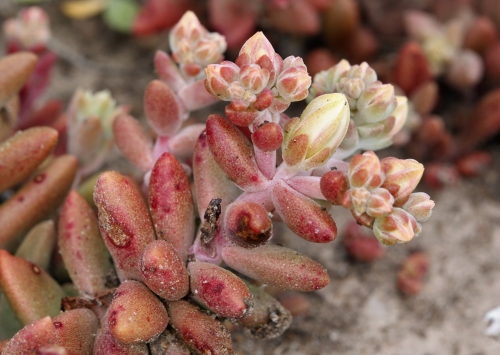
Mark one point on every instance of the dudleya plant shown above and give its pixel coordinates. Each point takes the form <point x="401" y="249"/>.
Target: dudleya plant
<point x="176" y="281"/>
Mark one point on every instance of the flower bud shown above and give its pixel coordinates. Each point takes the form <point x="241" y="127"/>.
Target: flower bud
<point x="323" y="124"/>
<point x="375" y="103"/>
<point x="380" y="203"/>
<point x="365" y="171"/>
<point x="397" y="227"/>
<point x="30" y="29"/>
<point x="254" y="78"/>
<point x="402" y="177"/>
<point x="294" y="81"/>
<point x="364" y="72"/>
<point x="219" y="77"/>
<point x="326" y="81"/>
<point x="420" y="206"/>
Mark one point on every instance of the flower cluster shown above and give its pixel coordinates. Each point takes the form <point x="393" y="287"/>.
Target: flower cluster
<point x="377" y="114"/>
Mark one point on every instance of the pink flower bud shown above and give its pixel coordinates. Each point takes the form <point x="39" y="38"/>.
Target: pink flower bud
<point x="219" y="78"/>
<point x="376" y="103"/>
<point x="356" y="200"/>
<point x="380" y="203"/>
<point x="397" y="227"/>
<point x="322" y="125"/>
<point x="254" y="78"/>
<point x="255" y="48"/>
<point x="30" y="30"/>
<point x="401" y="177"/>
<point x="219" y="289"/>
<point x="420" y="206"/>
<point x="365" y="170"/>
<point x="293" y="82"/>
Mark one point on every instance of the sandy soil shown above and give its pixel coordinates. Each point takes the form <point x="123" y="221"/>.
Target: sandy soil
<point x="361" y="311"/>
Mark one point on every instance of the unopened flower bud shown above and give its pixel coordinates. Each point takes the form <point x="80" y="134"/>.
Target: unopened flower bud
<point x="380" y="203"/>
<point x="219" y="78"/>
<point x="365" y="171"/>
<point x="363" y="72"/>
<point x="375" y="103"/>
<point x="397" y="227"/>
<point x="30" y="29"/>
<point x="356" y="200"/>
<point x="323" y="124"/>
<point x="326" y="81"/>
<point x="254" y="78"/>
<point x="420" y="206"/>
<point x="402" y="177"/>
<point x="294" y="81"/>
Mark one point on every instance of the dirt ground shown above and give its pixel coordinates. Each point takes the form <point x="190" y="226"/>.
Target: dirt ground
<point x="361" y="311"/>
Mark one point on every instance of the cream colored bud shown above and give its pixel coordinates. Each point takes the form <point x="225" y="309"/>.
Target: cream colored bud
<point x="397" y="227"/>
<point x="363" y="72"/>
<point x="375" y="104"/>
<point x="420" y="206"/>
<point x="254" y="78"/>
<point x="380" y="203"/>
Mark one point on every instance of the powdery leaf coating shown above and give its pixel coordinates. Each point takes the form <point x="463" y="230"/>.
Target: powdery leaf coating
<point x="277" y="266"/>
<point x="198" y="330"/>
<point x="38" y="244"/>
<point x="163" y="111"/>
<point x="234" y="154"/>
<point x="269" y="319"/>
<point x="22" y="153"/>
<point x="133" y="141"/>
<point x="107" y="344"/>
<point x="302" y="215"/>
<point x="333" y="186"/>
<point x="15" y="70"/>
<point x="75" y="330"/>
<point x="164" y="271"/>
<point x="36" y="200"/>
<point x="31" y="292"/>
<point x="247" y="224"/>
<point x="81" y="246"/>
<point x="124" y="221"/>
<point x="268" y="137"/>
<point x="219" y="289"/>
<point x="32" y="337"/>
<point x="136" y="314"/>
<point x="171" y="204"/>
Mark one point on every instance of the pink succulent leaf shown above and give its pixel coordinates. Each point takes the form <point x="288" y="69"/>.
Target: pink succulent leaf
<point x="333" y="185"/>
<point x="182" y="144"/>
<point x="134" y="142"/>
<point x="124" y="222"/>
<point x="133" y="304"/>
<point x="199" y="330"/>
<point x="82" y="248"/>
<point x="195" y="96"/>
<point x="402" y="177"/>
<point x="37" y="84"/>
<point x="171" y="203"/>
<point x="243" y="116"/>
<point x="397" y="227"/>
<point x="36" y="200"/>
<point x="15" y="71"/>
<point x="302" y="215"/>
<point x="277" y="266"/>
<point x="266" y="162"/>
<point x="38" y="244"/>
<point x="168" y="72"/>
<point x="157" y="15"/>
<point x="247" y="224"/>
<point x="163" y="110"/>
<point x="107" y="343"/>
<point x="419" y="205"/>
<point x="233" y="153"/>
<point x="234" y="19"/>
<point x="76" y="329"/>
<point x="307" y="185"/>
<point x="209" y="180"/>
<point x="22" y="153"/>
<point x="33" y="336"/>
<point x="164" y="271"/>
<point x="219" y="290"/>
<point x="268" y="136"/>
<point x="31" y="292"/>
<point x="365" y="170"/>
